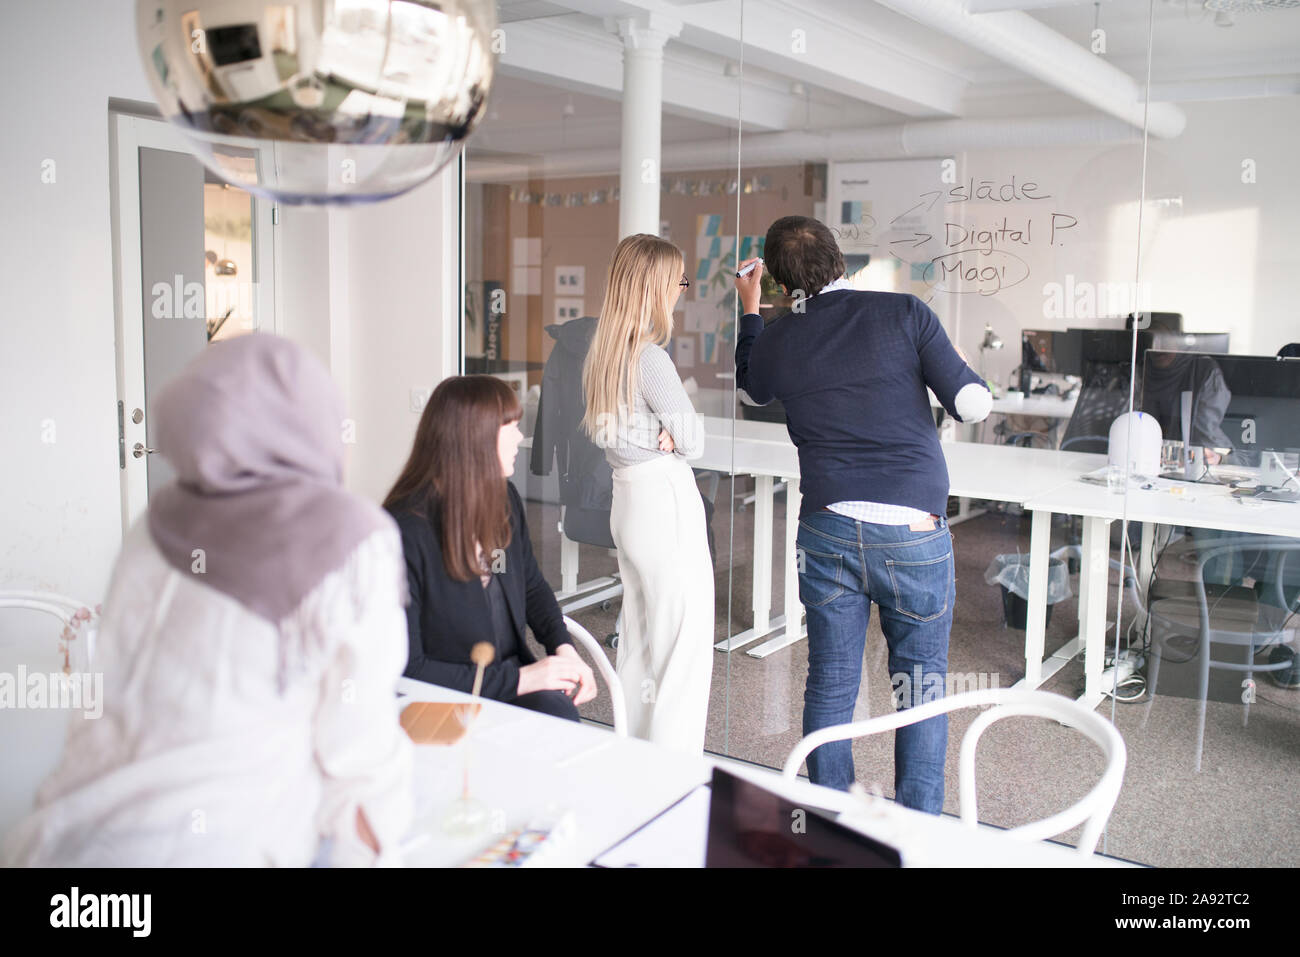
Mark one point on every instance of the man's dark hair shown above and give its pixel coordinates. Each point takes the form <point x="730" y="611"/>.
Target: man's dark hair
<point x="801" y="254"/>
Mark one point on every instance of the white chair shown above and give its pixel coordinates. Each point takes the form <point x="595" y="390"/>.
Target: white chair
<point x="1094" y="808"/>
<point x="61" y="607"/>
<point x="583" y="637"/>
<point x="33" y="740"/>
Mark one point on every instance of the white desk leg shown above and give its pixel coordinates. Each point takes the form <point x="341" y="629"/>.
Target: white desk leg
<point x="1145" y="566"/>
<point x="1040" y="536"/>
<point x="568" y="564"/>
<point x="793" y="607"/>
<point x="762" y="604"/>
<point x="764" y="492"/>
<point x="790" y="622"/>
<point x="1092" y="606"/>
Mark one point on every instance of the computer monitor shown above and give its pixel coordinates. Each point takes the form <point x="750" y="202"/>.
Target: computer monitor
<point x="1186" y="396"/>
<point x="1106" y="353"/>
<point x="1158" y="320"/>
<point x="1263" y="411"/>
<point x="1247" y="405"/>
<point x="1208" y="342"/>
<point x="1048" y="352"/>
<point x="1051" y="351"/>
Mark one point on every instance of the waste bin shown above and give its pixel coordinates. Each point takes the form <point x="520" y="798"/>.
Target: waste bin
<point x="1011" y="574"/>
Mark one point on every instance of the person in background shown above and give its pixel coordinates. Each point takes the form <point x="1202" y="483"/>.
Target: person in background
<point x="250" y="644"/>
<point x="638" y="412"/>
<point x="852" y="370"/>
<point x="469" y="562"/>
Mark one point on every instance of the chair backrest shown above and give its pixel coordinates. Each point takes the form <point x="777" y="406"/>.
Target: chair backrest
<point x="1089" y="427"/>
<point x="32" y="742"/>
<point x="584" y="638"/>
<point x="1093" y="810"/>
<point x="59" y="606"/>
<point x="1274" y="575"/>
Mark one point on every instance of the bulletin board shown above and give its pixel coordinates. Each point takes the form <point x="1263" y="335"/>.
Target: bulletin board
<point x="708" y="321"/>
<point x="888" y="218"/>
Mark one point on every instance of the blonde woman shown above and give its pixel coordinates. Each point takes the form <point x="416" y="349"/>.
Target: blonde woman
<point x="638" y="412"/>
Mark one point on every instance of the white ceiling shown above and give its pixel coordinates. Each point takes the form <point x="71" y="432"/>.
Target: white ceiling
<point x="879" y="67"/>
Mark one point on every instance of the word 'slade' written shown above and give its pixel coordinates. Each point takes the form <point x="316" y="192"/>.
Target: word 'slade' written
<point x="949" y="248"/>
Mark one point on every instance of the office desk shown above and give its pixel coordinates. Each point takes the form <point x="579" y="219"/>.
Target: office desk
<point x="998" y="473"/>
<point x="1199" y="506"/>
<point x="522" y="762"/>
<point x="1038" y="406"/>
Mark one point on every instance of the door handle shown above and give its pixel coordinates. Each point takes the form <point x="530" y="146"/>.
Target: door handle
<point x="140" y="451"/>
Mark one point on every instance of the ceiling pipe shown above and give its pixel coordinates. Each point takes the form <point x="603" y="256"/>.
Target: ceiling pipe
<point x="1022" y="42"/>
<point x="900" y="141"/>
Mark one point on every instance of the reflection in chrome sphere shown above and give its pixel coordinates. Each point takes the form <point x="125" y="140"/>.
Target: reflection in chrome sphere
<point x="321" y="101"/>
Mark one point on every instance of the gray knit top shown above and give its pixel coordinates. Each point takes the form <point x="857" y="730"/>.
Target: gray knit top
<point x="661" y="403"/>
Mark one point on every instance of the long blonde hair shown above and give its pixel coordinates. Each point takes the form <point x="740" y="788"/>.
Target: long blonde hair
<point x="643" y="276"/>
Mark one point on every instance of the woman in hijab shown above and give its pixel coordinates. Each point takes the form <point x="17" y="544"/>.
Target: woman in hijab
<point x="250" y="644"/>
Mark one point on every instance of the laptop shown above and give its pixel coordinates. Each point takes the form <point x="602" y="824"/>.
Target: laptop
<point x="750" y="826"/>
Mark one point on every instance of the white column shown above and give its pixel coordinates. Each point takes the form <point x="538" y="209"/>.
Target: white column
<point x="643" y="38"/>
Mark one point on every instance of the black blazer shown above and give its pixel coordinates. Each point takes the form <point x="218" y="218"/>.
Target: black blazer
<point x="446" y="618"/>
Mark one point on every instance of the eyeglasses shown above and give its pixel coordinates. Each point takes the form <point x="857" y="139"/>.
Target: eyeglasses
<point x="685" y="283"/>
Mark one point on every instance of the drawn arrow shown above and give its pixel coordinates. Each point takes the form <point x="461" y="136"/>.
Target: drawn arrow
<point x="936" y="193"/>
<point x="922" y="239"/>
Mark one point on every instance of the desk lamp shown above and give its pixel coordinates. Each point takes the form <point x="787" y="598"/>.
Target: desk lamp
<point x="990" y="341"/>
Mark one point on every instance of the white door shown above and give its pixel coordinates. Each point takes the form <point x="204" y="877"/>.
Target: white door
<point x="194" y="262"/>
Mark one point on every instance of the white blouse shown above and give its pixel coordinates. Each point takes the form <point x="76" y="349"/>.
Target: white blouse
<point x="201" y="758"/>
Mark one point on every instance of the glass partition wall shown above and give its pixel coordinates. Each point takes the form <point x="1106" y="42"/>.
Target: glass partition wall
<point x="601" y="128"/>
<point x="1005" y="197"/>
<point x="1214" y="743"/>
<point x="1081" y="244"/>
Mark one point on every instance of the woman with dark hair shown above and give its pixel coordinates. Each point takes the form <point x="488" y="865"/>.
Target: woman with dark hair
<point x="469" y="563"/>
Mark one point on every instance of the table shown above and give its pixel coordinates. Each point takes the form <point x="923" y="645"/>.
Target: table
<point x="1198" y="506"/>
<point x="1038" y="406"/>
<point x="1000" y="473"/>
<point x="523" y="761"/>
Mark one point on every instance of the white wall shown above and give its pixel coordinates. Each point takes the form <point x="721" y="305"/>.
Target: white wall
<point x="59" y="509"/>
<point x="362" y="288"/>
<point x="401" y="322"/>
<point x="1223" y="257"/>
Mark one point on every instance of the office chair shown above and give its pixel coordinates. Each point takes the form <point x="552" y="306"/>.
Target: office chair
<point x="1088" y="430"/>
<point x="1248" y="623"/>
<point x="1092" y="810"/>
<point x="583" y="637"/>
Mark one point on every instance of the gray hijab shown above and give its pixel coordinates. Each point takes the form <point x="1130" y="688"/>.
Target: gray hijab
<point x="257" y="510"/>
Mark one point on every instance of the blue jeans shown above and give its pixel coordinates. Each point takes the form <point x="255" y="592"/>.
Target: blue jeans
<point x="845" y="565"/>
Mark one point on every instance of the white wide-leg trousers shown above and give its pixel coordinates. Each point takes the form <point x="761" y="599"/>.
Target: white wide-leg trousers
<point x="665" y="647"/>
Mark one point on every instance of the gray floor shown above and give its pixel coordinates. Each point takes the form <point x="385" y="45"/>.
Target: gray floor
<point x="1239" y="810"/>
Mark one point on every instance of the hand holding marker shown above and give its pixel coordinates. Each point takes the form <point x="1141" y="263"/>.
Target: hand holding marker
<point x="749" y="284"/>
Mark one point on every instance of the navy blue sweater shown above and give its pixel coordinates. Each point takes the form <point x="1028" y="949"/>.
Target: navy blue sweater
<point x="852" y="371"/>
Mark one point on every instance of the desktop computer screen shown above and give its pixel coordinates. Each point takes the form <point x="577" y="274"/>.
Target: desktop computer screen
<point x="1185" y="393"/>
<point x="1207" y="342"/>
<point x="1158" y="320"/>
<point x="1049" y="352"/>
<point x="1263" y="409"/>
<point x="1246" y="405"/>
<point x="1110" y="350"/>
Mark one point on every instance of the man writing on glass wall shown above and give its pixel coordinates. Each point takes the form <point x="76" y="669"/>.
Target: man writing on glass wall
<point x="851" y="369"/>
